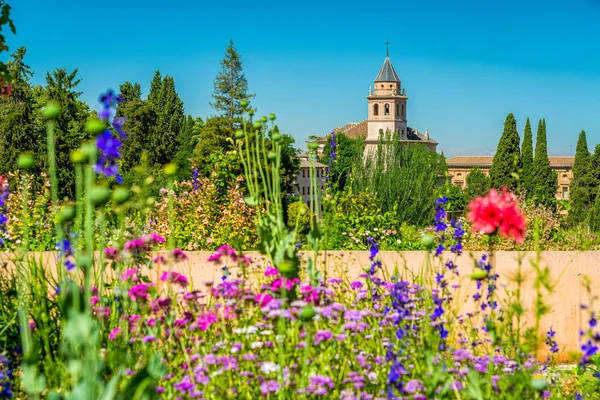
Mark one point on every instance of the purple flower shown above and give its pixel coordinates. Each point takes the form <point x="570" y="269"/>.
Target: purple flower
<point x="109" y="146"/>
<point x="322" y="335"/>
<point x="269" y="386"/>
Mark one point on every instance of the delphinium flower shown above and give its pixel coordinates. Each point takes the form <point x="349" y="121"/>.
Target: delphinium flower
<point x="498" y="213"/>
<point x="108" y="145"/>
<point x="439" y="223"/>
<point x="551" y="342"/>
<point x="6" y="377"/>
<point x="332" y="154"/>
<point x="195" y="183"/>
<point x="4" y="191"/>
<point x="457" y="235"/>
<point x="65" y="253"/>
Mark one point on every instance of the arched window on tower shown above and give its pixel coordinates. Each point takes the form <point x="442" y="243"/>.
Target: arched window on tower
<point x="403" y="111"/>
<point x="387" y="109"/>
<point x="397" y="110"/>
<point x="376" y="109"/>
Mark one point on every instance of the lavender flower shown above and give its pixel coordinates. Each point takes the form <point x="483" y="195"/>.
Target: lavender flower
<point x="332" y="154"/>
<point x="195" y="182"/>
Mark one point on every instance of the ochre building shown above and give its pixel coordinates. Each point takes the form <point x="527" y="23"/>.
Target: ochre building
<point x="460" y="166"/>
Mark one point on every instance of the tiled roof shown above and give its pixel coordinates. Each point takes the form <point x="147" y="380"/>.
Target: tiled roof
<point x="387" y="73"/>
<point x="487" y="160"/>
<point x="304" y="163"/>
<point x="353" y="129"/>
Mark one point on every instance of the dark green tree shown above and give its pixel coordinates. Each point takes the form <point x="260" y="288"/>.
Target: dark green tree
<point x="140" y="124"/>
<point x="527" y="158"/>
<point x="61" y="86"/>
<point x="187" y="143"/>
<point x="216" y="136"/>
<point x="507" y="160"/>
<point x="347" y="152"/>
<point x="478" y="183"/>
<point x="544" y="180"/>
<point x="230" y="86"/>
<point x="581" y="188"/>
<point x="163" y="144"/>
<point x="594" y="215"/>
<point x="457" y="198"/>
<point x="21" y="128"/>
<point x="130" y="91"/>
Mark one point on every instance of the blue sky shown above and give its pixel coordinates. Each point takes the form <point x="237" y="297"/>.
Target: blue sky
<point x="465" y="64"/>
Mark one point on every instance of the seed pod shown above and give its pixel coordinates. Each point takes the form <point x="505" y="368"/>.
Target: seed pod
<point x="90" y="150"/>
<point x="307" y="313"/>
<point x="66" y="214"/>
<point x="272" y="117"/>
<point x="99" y="195"/>
<point x="276" y="137"/>
<point x="257" y="125"/>
<point x="313" y="145"/>
<point x="95" y="126"/>
<point x="479" y="274"/>
<point x="170" y="169"/>
<point x="272" y="155"/>
<point x="239" y="134"/>
<point x="427" y="241"/>
<point x="25" y="162"/>
<point x="244" y="103"/>
<point x="78" y="157"/>
<point x="120" y="195"/>
<point x="51" y="111"/>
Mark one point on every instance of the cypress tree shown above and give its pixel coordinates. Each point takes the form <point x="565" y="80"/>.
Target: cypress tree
<point x="507" y="160"/>
<point x="544" y="180"/>
<point x="580" y="186"/>
<point x="527" y="157"/>
<point x="594" y="217"/>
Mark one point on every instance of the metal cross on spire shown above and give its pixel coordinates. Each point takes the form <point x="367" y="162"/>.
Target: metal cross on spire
<point x="387" y="49"/>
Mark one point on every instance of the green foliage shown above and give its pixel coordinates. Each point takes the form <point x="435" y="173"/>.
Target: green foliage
<point x="544" y="179"/>
<point x="581" y="185"/>
<point x="187" y="143"/>
<point x="230" y="86"/>
<point x="216" y="136"/>
<point x="527" y="157"/>
<point x="402" y="177"/>
<point x="351" y="218"/>
<point x="594" y="215"/>
<point x="478" y="183"/>
<point x="61" y="87"/>
<point x="507" y="160"/>
<point x="348" y="152"/>
<point x="299" y="217"/>
<point x="140" y="123"/>
<point x="457" y="198"/>
<point x="5" y="20"/>
<point x="21" y="129"/>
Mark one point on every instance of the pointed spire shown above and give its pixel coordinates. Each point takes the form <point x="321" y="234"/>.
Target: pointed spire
<point x="387" y="73"/>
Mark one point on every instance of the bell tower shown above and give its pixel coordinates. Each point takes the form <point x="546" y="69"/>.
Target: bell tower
<point x="387" y="103"/>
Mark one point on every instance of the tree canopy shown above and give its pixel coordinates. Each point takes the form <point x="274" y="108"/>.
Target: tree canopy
<point x="506" y="164"/>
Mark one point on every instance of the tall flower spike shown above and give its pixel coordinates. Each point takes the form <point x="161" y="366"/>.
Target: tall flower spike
<point x="109" y="146"/>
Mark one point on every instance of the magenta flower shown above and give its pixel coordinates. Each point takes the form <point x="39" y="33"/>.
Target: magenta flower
<point x="175" y="278"/>
<point x="114" y="333"/>
<point x="139" y="291"/>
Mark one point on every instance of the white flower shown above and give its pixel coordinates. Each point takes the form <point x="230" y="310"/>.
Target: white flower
<point x="248" y="330"/>
<point x="266" y="333"/>
<point x="256" y="345"/>
<point x="269" y="367"/>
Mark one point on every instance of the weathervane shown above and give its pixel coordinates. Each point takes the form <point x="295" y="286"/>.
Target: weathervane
<point x="387" y="48"/>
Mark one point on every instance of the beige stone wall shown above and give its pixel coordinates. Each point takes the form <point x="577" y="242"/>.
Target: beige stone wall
<point x="568" y="271"/>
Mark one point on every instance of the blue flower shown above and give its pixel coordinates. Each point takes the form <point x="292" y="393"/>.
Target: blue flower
<point x="109" y="146"/>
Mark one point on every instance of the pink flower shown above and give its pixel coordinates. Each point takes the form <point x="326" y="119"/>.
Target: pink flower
<point x="111" y="253"/>
<point x="175" y="278"/>
<point x="223" y="251"/>
<point x="179" y="255"/>
<point x="130" y="273"/>
<point x="139" y="291"/>
<point x="263" y="299"/>
<point x="206" y="320"/>
<point x="94" y="300"/>
<point x="114" y="333"/>
<point x="271" y="271"/>
<point x="497" y="213"/>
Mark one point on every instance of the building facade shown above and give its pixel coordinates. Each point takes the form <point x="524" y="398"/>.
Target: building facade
<point x="301" y="186"/>
<point x="459" y="167"/>
<point x="386" y="112"/>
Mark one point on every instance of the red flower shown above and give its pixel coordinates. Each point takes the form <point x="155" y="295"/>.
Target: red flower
<point x="498" y="213"/>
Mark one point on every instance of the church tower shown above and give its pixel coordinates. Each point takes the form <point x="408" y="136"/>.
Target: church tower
<point x="387" y="103"/>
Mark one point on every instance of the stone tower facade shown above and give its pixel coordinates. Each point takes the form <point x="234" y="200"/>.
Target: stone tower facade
<point x="387" y="104"/>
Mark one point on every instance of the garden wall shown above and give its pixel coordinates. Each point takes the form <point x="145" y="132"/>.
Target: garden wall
<point x="567" y="271"/>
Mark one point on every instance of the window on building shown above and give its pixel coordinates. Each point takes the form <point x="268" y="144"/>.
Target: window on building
<point x="376" y="109"/>
<point x="387" y="109"/>
<point x="391" y="86"/>
<point x="565" y="193"/>
<point x="459" y="176"/>
<point x="397" y="110"/>
<point x="304" y="173"/>
<point x="303" y="190"/>
<point x="318" y="170"/>
<point x="565" y="176"/>
<point x="403" y="111"/>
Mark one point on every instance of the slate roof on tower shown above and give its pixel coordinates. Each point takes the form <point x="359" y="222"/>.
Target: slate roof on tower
<point x="387" y="73"/>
